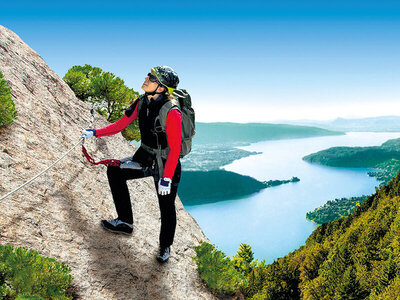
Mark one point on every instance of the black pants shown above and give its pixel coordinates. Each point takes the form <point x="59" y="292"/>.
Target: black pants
<point x="117" y="178"/>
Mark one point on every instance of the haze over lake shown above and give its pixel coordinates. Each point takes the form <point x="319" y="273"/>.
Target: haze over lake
<point x="273" y="221"/>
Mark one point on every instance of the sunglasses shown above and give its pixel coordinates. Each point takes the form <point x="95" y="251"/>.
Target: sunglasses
<point x="152" y="78"/>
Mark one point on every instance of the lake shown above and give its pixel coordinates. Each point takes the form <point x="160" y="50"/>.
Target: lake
<point x="273" y="221"/>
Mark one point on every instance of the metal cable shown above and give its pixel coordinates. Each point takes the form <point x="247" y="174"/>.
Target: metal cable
<point x="44" y="171"/>
<point x="49" y="167"/>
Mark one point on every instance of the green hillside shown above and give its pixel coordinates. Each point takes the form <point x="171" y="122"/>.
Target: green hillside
<point x="357" y="157"/>
<point x="201" y="187"/>
<point x="335" y="209"/>
<point x="356" y="257"/>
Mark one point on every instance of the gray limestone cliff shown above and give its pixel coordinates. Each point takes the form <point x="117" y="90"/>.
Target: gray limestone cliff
<point x="58" y="214"/>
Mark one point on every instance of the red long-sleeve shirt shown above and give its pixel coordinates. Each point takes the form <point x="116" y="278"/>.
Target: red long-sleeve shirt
<point x="173" y="130"/>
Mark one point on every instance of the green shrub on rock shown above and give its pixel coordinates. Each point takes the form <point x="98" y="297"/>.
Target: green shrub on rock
<point x="24" y="274"/>
<point x="7" y="107"/>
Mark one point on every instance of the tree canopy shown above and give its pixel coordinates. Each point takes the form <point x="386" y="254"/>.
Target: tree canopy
<point x="105" y="92"/>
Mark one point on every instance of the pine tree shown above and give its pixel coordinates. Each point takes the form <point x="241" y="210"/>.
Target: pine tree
<point x="217" y="270"/>
<point x="350" y="287"/>
<point x="105" y="92"/>
<point x="243" y="259"/>
<point x="79" y="80"/>
<point x="388" y="273"/>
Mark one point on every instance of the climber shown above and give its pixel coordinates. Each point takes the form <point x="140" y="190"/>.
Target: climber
<point x="158" y="87"/>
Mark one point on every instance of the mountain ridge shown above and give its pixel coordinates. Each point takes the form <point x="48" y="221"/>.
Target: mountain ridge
<point x="369" y="124"/>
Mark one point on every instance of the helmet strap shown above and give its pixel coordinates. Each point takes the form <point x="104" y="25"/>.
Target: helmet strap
<point x="153" y="92"/>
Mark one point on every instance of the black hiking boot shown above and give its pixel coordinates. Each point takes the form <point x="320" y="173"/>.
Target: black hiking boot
<point x="117" y="226"/>
<point x="163" y="255"/>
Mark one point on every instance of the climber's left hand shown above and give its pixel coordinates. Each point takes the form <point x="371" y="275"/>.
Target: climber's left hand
<point x="164" y="186"/>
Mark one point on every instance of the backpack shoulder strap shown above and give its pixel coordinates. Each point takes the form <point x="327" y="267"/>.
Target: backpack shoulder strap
<point x="164" y="110"/>
<point x="138" y="102"/>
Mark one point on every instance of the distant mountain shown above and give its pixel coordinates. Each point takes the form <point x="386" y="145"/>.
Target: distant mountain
<point x="373" y="124"/>
<point x="236" y="133"/>
<point x="214" y="144"/>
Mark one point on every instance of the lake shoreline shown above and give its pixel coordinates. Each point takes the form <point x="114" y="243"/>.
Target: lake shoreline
<point x="273" y="220"/>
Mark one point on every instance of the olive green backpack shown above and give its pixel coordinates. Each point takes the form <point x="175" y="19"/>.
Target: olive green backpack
<point x="182" y="101"/>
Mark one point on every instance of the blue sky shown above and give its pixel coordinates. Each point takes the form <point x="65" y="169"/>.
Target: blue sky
<point x="241" y="61"/>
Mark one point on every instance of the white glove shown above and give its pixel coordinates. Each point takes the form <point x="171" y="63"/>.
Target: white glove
<point x="164" y="186"/>
<point x="88" y="133"/>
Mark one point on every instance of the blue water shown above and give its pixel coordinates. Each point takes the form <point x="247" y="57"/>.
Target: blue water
<point x="273" y="221"/>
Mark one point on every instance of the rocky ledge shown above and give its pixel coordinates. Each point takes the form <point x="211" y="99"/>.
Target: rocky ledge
<point x="59" y="213"/>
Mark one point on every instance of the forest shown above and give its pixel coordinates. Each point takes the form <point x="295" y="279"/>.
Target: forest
<point x="355" y="257"/>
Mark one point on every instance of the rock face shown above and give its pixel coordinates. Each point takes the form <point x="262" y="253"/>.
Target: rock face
<point x="58" y="214"/>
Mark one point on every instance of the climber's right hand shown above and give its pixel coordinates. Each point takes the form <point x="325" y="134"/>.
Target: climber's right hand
<point x="88" y="133"/>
